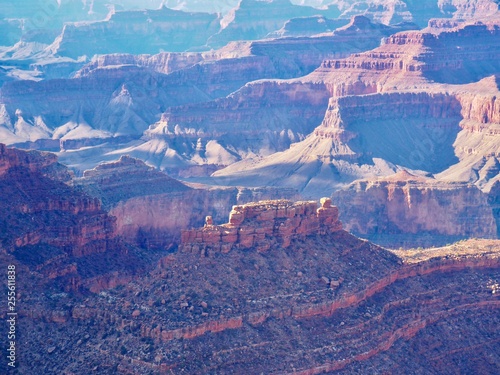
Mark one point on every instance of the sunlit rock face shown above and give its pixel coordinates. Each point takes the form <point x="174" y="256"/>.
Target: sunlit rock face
<point x="151" y="209"/>
<point x="259" y="225"/>
<point x="405" y="210"/>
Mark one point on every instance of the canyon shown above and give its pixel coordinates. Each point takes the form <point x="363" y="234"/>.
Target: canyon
<point x="311" y="113"/>
<point x="318" y="303"/>
<point x="249" y="187"/>
<point x="281" y="280"/>
<point x="151" y="208"/>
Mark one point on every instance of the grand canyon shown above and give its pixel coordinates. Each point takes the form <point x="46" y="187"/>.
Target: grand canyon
<point x="250" y="187"/>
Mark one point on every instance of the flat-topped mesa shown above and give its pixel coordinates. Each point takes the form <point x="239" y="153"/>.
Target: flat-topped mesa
<point x="262" y="224"/>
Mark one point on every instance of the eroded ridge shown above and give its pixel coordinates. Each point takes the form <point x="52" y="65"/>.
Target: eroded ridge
<point x="259" y="225"/>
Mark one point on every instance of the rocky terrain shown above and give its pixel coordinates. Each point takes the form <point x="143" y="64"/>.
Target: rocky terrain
<point x="257" y="225"/>
<point x="172" y="223"/>
<point x="330" y="96"/>
<point x="151" y="208"/>
<point x="137" y="32"/>
<point x="406" y="210"/>
<point x="55" y="233"/>
<point x="373" y="127"/>
<point x="324" y="302"/>
<point x="217" y="126"/>
<point x="254" y="19"/>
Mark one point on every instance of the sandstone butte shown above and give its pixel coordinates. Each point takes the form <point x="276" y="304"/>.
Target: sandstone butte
<point x="294" y="293"/>
<point x="258" y="225"/>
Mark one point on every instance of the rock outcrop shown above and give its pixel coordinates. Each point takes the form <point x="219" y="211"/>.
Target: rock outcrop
<point x="421" y="12"/>
<point x="406" y="210"/>
<point x="253" y="19"/>
<point x="55" y="232"/>
<point x="42" y="210"/>
<point x="152" y="208"/>
<point x="326" y="302"/>
<point x="308" y="26"/>
<point x="287" y="110"/>
<point x="261" y="225"/>
<point x="409" y="59"/>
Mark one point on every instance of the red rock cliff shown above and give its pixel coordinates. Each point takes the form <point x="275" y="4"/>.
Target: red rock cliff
<point x="259" y="225"/>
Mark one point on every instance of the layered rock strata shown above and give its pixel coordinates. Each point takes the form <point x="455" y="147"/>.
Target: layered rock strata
<point x="287" y="110"/>
<point x="54" y="232"/>
<point x="409" y="59"/>
<point x="152" y="208"/>
<point x="406" y="210"/>
<point x="253" y="19"/>
<point x="42" y="210"/>
<point x="326" y="303"/>
<point x="137" y="32"/>
<point x="260" y="225"/>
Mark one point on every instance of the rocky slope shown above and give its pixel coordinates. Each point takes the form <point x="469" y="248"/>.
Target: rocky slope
<point x="288" y="110"/>
<point x="494" y="201"/>
<point x="326" y="302"/>
<point x="369" y="129"/>
<point x="421" y="12"/>
<point x="260" y="225"/>
<point x="254" y="19"/>
<point x="56" y="234"/>
<point x="308" y="26"/>
<point x="114" y="98"/>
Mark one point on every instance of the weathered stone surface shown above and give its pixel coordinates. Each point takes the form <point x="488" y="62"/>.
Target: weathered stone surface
<point x="407" y="210"/>
<point x="151" y="208"/>
<point x="249" y="313"/>
<point x="259" y="225"/>
<point x="56" y="231"/>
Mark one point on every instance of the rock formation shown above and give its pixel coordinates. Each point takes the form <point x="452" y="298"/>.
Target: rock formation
<point x="287" y="110"/>
<point x="406" y="210"/>
<point x="308" y="26"/>
<point x="254" y="19"/>
<point x="114" y="99"/>
<point x="137" y="32"/>
<point x="420" y="12"/>
<point x="55" y="231"/>
<point x="363" y="123"/>
<point x="259" y="225"/>
<point x="42" y="210"/>
<point x="327" y="302"/>
<point x="151" y="208"/>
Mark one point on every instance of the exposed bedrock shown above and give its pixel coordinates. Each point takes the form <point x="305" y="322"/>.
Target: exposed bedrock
<point x="326" y="302"/>
<point x="41" y="210"/>
<point x="260" y="225"/>
<point x="137" y="32"/>
<point x="151" y="208"/>
<point x="405" y="210"/>
<point x="259" y="119"/>
<point x="253" y="19"/>
<point x="412" y="59"/>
